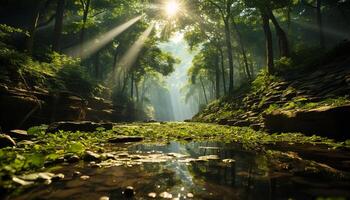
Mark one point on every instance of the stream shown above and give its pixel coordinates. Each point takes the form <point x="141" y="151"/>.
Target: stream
<point x="197" y="170"/>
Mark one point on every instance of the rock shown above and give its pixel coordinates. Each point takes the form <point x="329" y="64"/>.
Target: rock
<point x="19" y="134"/>
<point x="129" y="192"/>
<point x="23" y="109"/>
<point x="166" y="195"/>
<point x="42" y="177"/>
<point x="76" y="173"/>
<point x="242" y="123"/>
<point x="6" y="141"/>
<point x="228" y="161"/>
<point x="327" y="121"/>
<point x="91" y="156"/>
<point x="58" y="177"/>
<point x="209" y="157"/>
<point x="152" y="195"/>
<point x="124" y="139"/>
<point x="22" y="182"/>
<point x="84" y="178"/>
<point x="190" y="195"/>
<point x="84" y="126"/>
<point x="73" y="159"/>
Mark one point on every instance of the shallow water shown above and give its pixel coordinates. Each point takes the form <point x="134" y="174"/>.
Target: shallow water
<point x="173" y="170"/>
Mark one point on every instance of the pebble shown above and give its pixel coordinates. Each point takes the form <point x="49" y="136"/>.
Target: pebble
<point x="190" y="195"/>
<point x="84" y="178"/>
<point x="152" y="195"/>
<point x="166" y="195"/>
<point x="129" y="192"/>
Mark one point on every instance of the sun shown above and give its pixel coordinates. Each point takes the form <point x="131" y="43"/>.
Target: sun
<point x="172" y="7"/>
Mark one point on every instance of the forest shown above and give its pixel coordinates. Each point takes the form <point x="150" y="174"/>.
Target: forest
<point x="174" y="99"/>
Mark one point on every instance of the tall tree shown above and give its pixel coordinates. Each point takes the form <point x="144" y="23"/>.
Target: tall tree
<point x="56" y="44"/>
<point x="225" y="9"/>
<point x="33" y="26"/>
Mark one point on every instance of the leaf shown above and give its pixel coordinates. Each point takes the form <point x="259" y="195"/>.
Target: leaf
<point x="36" y="160"/>
<point x="77" y="148"/>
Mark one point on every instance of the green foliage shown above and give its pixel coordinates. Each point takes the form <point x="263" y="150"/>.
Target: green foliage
<point x="6" y="32"/>
<point x="263" y="80"/>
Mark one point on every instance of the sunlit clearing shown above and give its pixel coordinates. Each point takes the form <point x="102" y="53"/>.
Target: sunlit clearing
<point x="172" y="8"/>
<point x="129" y="58"/>
<point x="92" y="46"/>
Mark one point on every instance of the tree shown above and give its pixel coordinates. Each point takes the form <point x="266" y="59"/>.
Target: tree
<point x="318" y="8"/>
<point x="56" y="44"/>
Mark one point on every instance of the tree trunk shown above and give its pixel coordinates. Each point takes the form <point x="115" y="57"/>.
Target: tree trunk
<point x="217" y="77"/>
<point x="204" y="91"/>
<point x="229" y="53"/>
<point x="320" y="23"/>
<point x="223" y="70"/>
<point x="82" y="32"/>
<point x="243" y="51"/>
<point x="269" y="45"/>
<point x="115" y="59"/>
<point x="56" y="45"/>
<point x="33" y="28"/>
<point x="132" y="86"/>
<point x="137" y="92"/>
<point x="97" y="65"/>
<point x="282" y="36"/>
<point x="125" y="81"/>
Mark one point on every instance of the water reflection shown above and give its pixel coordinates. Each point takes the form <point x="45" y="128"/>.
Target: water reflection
<point x="247" y="176"/>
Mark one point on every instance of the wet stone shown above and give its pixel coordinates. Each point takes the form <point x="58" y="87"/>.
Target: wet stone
<point x="76" y="173"/>
<point x="6" y="141"/>
<point x="209" y="157"/>
<point x="21" y="181"/>
<point x="73" y="159"/>
<point x="91" y="156"/>
<point x="152" y="195"/>
<point x="84" y="178"/>
<point x="129" y="192"/>
<point x="166" y="195"/>
<point x="19" y="134"/>
<point x="125" y="139"/>
<point x="190" y="195"/>
<point x="228" y="161"/>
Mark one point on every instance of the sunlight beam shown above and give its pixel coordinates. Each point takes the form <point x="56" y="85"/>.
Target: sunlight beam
<point x="92" y="46"/>
<point x="129" y="58"/>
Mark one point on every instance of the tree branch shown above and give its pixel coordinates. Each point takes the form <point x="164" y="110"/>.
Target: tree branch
<point x="308" y="4"/>
<point x="218" y="7"/>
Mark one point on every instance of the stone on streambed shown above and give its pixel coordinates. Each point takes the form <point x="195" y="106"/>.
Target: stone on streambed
<point x="29" y="179"/>
<point x="19" y="135"/>
<point x="91" y="156"/>
<point x="6" y="141"/>
<point x="85" y="126"/>
<point x="129" y="192"/>
<point x="124" y="139"/>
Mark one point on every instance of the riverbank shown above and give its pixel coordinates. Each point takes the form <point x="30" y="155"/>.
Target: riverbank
<point x="44" y="151"/>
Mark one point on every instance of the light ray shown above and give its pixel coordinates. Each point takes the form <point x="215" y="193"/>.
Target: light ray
<point x="129" y="58"/>
<point x="92" y="46"/>
<point x="326" y="30"/>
